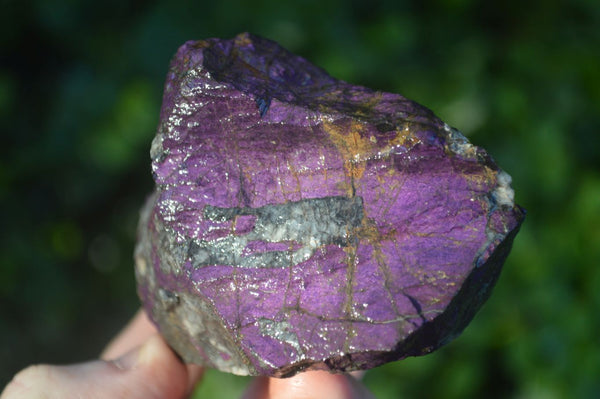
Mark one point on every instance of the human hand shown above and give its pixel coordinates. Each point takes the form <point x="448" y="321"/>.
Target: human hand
<point x="139" y="364"/>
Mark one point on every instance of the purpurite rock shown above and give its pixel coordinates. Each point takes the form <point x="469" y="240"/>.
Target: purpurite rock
<point x="300" y="222"/>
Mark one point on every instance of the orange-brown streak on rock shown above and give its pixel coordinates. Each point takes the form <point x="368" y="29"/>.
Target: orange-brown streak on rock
<point x="352" y="144"/>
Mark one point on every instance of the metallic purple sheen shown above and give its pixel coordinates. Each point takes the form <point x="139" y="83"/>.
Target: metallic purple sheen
<point x="300" y="222"/>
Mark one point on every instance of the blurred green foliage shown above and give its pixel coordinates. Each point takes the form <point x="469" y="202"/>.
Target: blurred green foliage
<point x="80" y="91"/>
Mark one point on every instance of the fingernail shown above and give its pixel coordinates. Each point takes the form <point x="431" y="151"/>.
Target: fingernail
<point x="141" y="355"/>
<point x="152" y="348"/>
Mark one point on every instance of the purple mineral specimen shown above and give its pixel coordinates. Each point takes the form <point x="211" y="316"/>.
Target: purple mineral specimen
<point x="300" y="222"/>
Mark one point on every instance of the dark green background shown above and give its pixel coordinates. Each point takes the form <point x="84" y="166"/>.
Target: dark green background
<point x="80" y="91"/>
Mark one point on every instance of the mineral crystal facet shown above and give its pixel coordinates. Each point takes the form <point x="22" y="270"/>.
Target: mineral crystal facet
<point x="301" y="222"/>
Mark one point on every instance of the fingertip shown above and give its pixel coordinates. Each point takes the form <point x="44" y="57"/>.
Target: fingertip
<point x="310" y="384"/>
<point x="154" y="350"/>
<point x="157" y="362"/>
<point x="195" y="374"/>
<point x="151" y="371"/>
<point x="166" y="369"/>
<point x="137" y="331"/>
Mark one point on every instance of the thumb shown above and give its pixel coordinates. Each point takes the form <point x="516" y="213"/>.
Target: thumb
<point x="149" y="371"/>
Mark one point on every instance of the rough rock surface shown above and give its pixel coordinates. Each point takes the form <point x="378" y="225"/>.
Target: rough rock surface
<point x="300" y="222"/>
